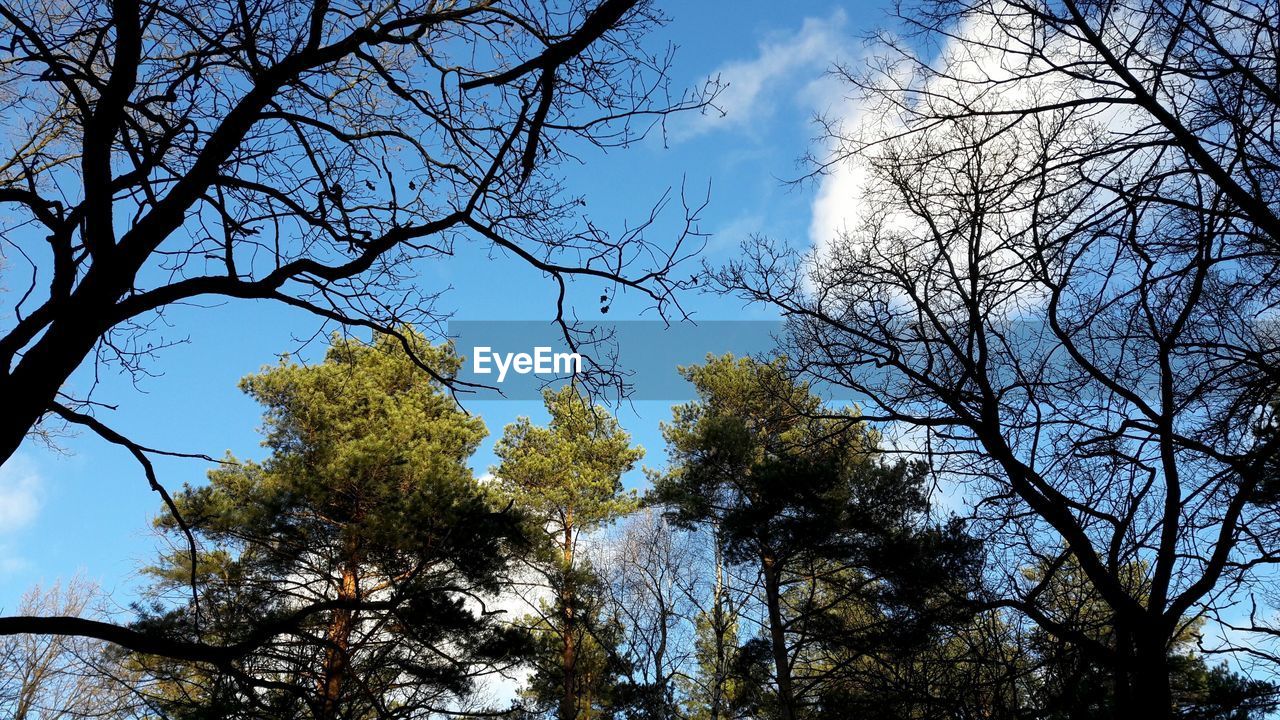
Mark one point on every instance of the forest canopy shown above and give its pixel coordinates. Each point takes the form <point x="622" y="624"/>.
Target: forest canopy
<point x="1015" y="453"/>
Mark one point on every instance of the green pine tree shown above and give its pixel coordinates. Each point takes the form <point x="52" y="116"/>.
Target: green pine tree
<point x="567" y="477"/>
<point x="801" y="493"/>
<point x="365" y="524"/>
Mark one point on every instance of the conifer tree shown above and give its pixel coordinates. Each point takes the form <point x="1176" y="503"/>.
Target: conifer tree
<point x="801" y="493"/>
<point x="364" y="533"/>
<point x="567" y="477"/>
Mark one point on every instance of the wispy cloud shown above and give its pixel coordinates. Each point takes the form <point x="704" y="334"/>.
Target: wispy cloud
<point x="20" y="490"/>
<point x="21" y="487"/>
<point x="781" y="71"/>
<point x="728" y="237"/>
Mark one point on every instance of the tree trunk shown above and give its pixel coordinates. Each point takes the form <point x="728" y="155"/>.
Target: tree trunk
<point x="569" y="650"/>
<point x="777" y="636"/>
<point x="31" y="386"/>
<point x="719" y="627"/>
<point x="1151" y="689"/>
<point x="1142" y="676"/>
<point x="1122" y="700"/>
<point x="718" y="679"/>
<point x="1149" y="683"/>
<point x="661" y="678"/>
<point x="720" y="616"/>
<point x="337" y="659"/>
<point x="1123" y="704"/>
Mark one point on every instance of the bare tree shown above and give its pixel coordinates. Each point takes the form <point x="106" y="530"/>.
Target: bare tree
<point x="54" y="677"/>
<point x="311" y="155"/>
<point x="651" y="578"/>
<point x="1056" y="277"/>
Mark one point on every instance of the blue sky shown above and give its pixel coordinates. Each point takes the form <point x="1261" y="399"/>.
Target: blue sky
<point x="86" y="508"/>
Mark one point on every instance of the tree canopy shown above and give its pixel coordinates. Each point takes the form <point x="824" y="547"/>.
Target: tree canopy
<point x="1060" y="276"/>
<point x="568" y="477"/>
<point x="804" y="496"/>
<point x="364" y="530"/>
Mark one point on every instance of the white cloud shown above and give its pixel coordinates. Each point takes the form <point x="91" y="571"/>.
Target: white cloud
<point x="20" y="490"/>
<point x="835" y="208"/>
<point x="10" y="561"/>
<point x="985" y="68"/>
<point x="728" y="237"/>
<point x="756" y="86"/>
